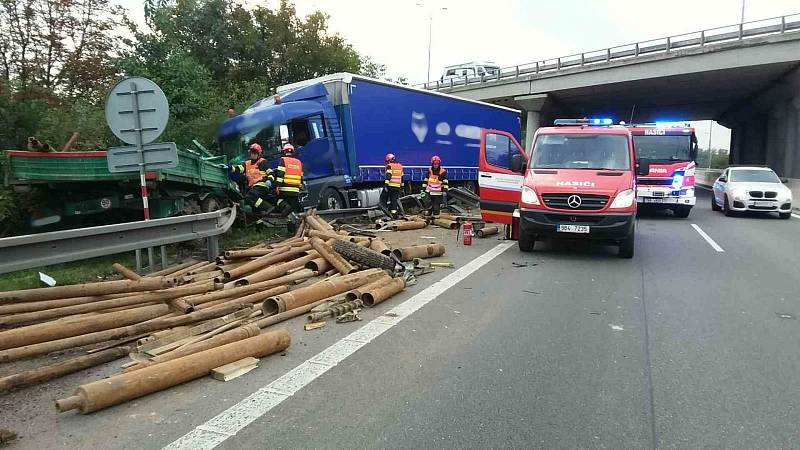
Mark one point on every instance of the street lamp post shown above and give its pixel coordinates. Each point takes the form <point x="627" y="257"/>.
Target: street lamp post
<point x="430" y="38"/>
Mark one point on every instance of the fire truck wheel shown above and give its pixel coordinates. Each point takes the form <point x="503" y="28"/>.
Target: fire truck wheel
<point x="626" y="247"/>
<point x="682" y="211"/>
<point x="526" y="242"/>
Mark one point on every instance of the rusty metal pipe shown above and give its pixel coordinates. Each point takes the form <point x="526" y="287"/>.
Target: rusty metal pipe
<point x="419" y="251"/>
<point x="410" y="225"/>
<point x="86" y="289"/>
<point x="335" y="259"/>
<point x="255" y="253"/>
<point x="379" y="246"/>
<point x="208" y="267"/>
<point x="247" y="289"/>
<point x="286" y="315"/>
<point x="317" y="291"/>
<point x="379" y="294"/>
<point x="128" y="386"/>
<point x="275" y="271"/>
<point x="125" y="272"/>
<point x="156" y="324"/>
<point x="185" y="271"/>
<point x="265" y="261"/>
<point x="319" y="265"/>
<point x="355" y="294"/>
<point x="252" y="298"/>
<point x="237" y="334"/>
<point x="171" y="269"/>
<point x="444" y="223"/>
<point x="324" y="235"/>
<point x="487" y="231"/>
<point x="62" y="368"/>
<point x="317" y="224"/>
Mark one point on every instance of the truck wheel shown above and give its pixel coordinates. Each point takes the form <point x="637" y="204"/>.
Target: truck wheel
<point x="626" y="247"/>
<point x="526" y="242"/>
<point x="363" y="256"/>
<point x="331" y="199"/>
<point x="682" y="211"/>
<point x="714" y="205"/>
<point x="210" y="203"/>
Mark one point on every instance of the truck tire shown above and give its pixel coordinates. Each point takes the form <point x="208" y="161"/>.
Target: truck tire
<point x="526" y="242"/>
<point x="331" y="199"/>
<point x="626" y="247"/>
<point x="210" y="203"/>
<point x="682" y="211"/>
<point x="363" y="256"/>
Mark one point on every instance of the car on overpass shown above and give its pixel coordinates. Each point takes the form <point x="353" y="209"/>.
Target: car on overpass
<point x="577" y="182"/>
<point x="752" y="189"/>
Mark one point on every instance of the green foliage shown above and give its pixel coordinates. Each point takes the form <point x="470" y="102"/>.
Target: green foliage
<point x="715" y="159"/>
<point x="10" y="212"/>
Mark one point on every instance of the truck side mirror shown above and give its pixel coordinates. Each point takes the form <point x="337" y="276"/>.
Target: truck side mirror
<point x="517" y="163"/>
<point x="284" y="131"/>
<point x="642" y="168"/>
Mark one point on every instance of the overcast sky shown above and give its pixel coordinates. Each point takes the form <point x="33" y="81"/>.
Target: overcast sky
<point x="510" y="32"/>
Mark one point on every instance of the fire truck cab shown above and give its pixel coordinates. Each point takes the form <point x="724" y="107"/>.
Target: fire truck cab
<point x="577" y="181"/>
<point x="667" y="151"/>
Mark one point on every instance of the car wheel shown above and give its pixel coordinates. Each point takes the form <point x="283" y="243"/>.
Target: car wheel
<point x="682" y="211"/>
<point x="626" y="247"/>
<point x="331" y="199"/>
<point x="714" y="205"/>
<point x="526" y="242"/>
<point x="726" y="207"/>
<point x="785" y="215"/>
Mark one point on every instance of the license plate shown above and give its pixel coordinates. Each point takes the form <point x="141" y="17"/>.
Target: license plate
<point x="653" y="200"/>
<point x="573" y="229"/>
<point x="762" y="204"/>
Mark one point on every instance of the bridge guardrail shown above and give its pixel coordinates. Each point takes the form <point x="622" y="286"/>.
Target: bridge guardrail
<point x="719" y="35"/>
<point x="36" y="250"/>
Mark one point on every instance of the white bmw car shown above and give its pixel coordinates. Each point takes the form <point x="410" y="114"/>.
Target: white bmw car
<point x="748" y="188"/>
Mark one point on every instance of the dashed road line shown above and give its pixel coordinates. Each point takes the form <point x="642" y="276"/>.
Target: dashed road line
<point x="225" y="425"/>
<point x="708" y="239"/>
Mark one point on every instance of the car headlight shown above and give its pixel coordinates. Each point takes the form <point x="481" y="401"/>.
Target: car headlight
<point x="529" y="196"/>
<point x="624" y="199"/>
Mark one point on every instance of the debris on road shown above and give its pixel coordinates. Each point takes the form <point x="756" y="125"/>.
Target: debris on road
<point x="616" y="327"/>
<point x="7" y="436"/>
<point x="235" y="369"/>
<point x="314" y="325"/>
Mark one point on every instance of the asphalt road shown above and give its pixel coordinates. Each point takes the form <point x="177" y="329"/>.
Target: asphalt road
<point x="567" y="347"/>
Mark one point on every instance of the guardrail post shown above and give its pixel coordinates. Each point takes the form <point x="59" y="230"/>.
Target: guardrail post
<point x="702" y="38"/>
<point x="783" y="24"/>
<point x="537" y="68"/>
<point x="636" y="49"/>
<point x="451" y="83"/>
<point x="213" y="247"/>
<point x="608" y="54"/>
<point x="163" y="256"/>
<point x="558" y="64"/>
<point x="741" y="31"/>
<point x="669" y="43"/>
<point x="583" y="59"/>
<point x="138" y="260"/>
<point x="498" y="74"/>
<point x="516" y="75"/>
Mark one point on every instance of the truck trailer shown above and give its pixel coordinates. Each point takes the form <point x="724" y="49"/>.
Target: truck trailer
<point x="344" y="124"/>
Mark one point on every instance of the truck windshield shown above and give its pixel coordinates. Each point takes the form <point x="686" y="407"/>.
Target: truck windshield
<point x="581" y="151"/>
<point x="235" y="146"/>
<point x="754" y="176"/>
<point x="663" y="148"/>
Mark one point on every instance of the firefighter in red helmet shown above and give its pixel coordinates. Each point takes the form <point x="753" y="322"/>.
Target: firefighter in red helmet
<point x="258" y="174"/>
<point x="435" y="185"/>
<point x="289" y="180"/>
<point x="393" y="184"/>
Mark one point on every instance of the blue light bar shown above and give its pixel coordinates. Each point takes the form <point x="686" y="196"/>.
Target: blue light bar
<point x="596" y="122"/>
<point x="672" y="125"/>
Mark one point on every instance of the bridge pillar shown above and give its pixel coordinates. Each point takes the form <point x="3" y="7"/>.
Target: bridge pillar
<point x="533" y="105"/>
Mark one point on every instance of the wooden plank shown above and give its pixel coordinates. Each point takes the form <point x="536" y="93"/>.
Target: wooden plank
<point x="234" y="369"/>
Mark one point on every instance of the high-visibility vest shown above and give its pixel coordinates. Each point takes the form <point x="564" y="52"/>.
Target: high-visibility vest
<point x="433" y="184"/>
<point x="290" y="175"/>
<point x="396" y="172"/>
<point x="252" y="172"/>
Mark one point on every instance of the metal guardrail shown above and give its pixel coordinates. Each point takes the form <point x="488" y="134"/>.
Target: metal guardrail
<point x="704" y="38"/>
<point x="36" y="250"/>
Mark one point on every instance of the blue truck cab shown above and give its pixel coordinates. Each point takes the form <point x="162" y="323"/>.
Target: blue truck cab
<point x="344" y="124"/>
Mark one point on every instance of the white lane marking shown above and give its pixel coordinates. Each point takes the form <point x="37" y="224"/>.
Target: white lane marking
<point x="795" y="216"/>
<point x="238" y="416"/>
<point x="708" y="239"/>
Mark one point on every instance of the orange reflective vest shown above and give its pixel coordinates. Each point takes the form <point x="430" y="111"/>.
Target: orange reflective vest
<point x="290" y="175"/>
<point x="435" y="182"/>
<point x="253" y="173"/>
<point x="395" y="171"/>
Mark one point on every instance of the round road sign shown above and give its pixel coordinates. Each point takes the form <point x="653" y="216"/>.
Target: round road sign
<point x="137" y="105"/>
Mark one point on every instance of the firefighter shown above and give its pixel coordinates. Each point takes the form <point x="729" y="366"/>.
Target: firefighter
<point x="259" y="178"/>
<point x="289" y="179"/>
<point x="435" y="185"/>
<point x="393" y="184"/>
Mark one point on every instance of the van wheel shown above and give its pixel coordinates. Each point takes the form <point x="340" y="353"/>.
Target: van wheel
<point x="626" y="247"/>
<point x="526" y="242"/>
<point x="331" y="199"/>
<point x="682" y="211"/>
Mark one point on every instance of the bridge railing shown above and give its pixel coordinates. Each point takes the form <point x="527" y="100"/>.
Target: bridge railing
<point x="746" y="31"/>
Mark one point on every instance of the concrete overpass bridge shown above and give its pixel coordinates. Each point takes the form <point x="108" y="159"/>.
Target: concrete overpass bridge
<point x="745" y="76"/>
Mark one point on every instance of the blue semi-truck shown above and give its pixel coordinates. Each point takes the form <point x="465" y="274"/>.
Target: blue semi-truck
<point x="344" y="124"/>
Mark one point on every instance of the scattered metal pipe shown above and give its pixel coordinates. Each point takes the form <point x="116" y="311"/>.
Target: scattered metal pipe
<point x="254" y="253"/>
<point x="379" y="294"/>
<point x="125" y="272"/>
<point x="419" y="251"/>
<point x="487" y="231"/>
<point x="355" y="294"/>
<point x="444" y="223"/>
<point x="324" y="235"/>
<point x="409" y="225"/>
<point x="247" y="299"/>
<point x="319" y="265"/>
<point x="275" y="271"/>
<point x="317" y="224"/>
<point x="286" y="315"/>
<point x="335" y="310"/>
<point x="248" y="288"/>
<point x="62" y="368"/>
<point x="86" y="289"/>
<point x="169" y="270"/>
<point x="317" y="291"/>
<point x="379" y="246"/>
<point x="264" y="261"/>
<point x="335" y="259"/>
<point x="128" y="386"/>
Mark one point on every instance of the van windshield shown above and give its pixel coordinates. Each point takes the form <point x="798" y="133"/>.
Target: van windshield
<point x="581" y="151"/>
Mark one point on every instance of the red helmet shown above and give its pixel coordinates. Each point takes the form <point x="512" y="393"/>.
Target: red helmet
<point x="389" y="157"/>
<point x="436" y="160"/>
<point x="288" y="149"/>
<point x="255" y="148"/>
